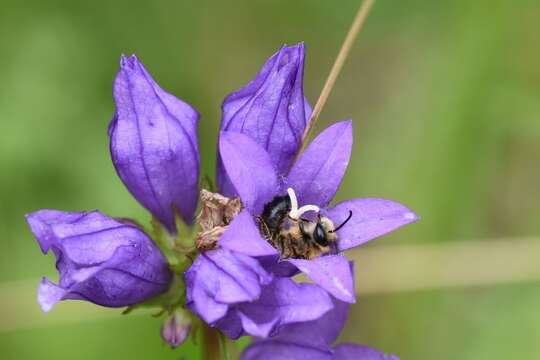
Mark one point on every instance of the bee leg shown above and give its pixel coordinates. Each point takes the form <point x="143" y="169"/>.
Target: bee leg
<point x="285" y="247"/>
<point x="277" y="243"/>
<point x="263" y="227"/>
<point x="301" y="248"/>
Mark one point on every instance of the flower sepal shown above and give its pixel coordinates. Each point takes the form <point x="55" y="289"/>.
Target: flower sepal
<point x="183" y="242"/>
<point x="180" y="248"/>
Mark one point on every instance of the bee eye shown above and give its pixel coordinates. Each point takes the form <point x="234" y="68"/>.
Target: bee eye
<point x="320" y="236"/>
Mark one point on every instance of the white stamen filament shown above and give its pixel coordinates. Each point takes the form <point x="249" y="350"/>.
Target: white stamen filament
<point x="294" y="201"/>
<point x="306" y="208"/>
<point x="296" y="212"/>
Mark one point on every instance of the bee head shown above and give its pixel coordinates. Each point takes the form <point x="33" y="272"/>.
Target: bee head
<point x="320" y="231"/>
<point x="319" y="235"/>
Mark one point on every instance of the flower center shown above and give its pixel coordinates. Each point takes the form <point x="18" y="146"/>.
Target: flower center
<point x="296" y="212"/>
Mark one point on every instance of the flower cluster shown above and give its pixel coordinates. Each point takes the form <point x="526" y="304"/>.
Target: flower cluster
<point x="232" y="276"/>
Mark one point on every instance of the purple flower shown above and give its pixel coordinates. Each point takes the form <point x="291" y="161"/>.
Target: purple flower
<point x="312" y="182"/>
<point x="238" y="288"/>
<point x="236" y="294"/>
<point x="154" y="150"/>
<point x="271" y="110"/>
<point x="99" y="259"/>
<point x="154" y="144"/>
<point x="241" y="284"/>
<point x="313" y="340"/>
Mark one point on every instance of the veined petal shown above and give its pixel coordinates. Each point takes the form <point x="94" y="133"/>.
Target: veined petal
<point x="154" y="144"/>
<point x="333" y="273"/>
<point x="277" y="267"/>
<point x="271" y="109"/>
<point x="261" y="326"/>
<point x="199" y="299"/>
<point x="370" y="219"/>
<point x="250" y="170"/>
<point x="243" y="236"/>
<point x="231" y="325"/>
<point x="283" y="302"/>
<point x="49" y="225"/>
<point x="321" y="332"/>
<point x="316" y="176"/>
<point x="99" y="259"/>
<point x="359" y="352"/>
<point x="219" y="278"/>
<point x="237" y="277"/>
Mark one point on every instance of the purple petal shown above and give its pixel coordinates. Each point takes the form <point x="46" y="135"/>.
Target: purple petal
<point x="371" y="218"/>
<point x="313" y="340"/>
<point x="359" y="352"/>
<point x="250" y="170"/>
<point x="231" y="325"/>
<point x="201" y="301"/>
<point x="333" y="273"/>
<point x="321" y="332"/>
<point x="283" y="302"/>
<point x="49" y="294"/>
<point x="271" y="109"/>
<point x="154" y="144"/>
<point x="277" y="267"/>
<point x="261" y="326"/>
<point x="316" y="175"/>
<point x="99" y="259"/>
<point x="219" y="278"/>
<point x="244" y="237"/>
<point x="278" y="350"/>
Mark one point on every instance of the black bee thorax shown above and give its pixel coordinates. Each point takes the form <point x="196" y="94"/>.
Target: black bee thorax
<point x="275" y="213"/>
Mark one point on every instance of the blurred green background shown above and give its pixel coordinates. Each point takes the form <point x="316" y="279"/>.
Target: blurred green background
<point x="445" y="101"/>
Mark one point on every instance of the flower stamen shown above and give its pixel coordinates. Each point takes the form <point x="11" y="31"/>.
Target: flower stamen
<point x="296" y="212"/>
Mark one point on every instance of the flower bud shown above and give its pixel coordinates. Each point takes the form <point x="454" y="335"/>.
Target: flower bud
<point x="154" y="144"/>
<point x="271" y="110"/>
<point x="99" y="259"/>
<point x="175" y="329"/>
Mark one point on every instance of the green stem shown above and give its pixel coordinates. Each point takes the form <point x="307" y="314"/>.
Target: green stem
<point x="211" y="348"/>
<point x="225" y="343"/>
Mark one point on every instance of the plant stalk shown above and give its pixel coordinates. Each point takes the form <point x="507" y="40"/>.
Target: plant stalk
<point x="211" y="346"/>
<point x="344" y="51"/>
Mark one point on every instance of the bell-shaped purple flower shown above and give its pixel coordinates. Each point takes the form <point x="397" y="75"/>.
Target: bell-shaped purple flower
<point x="271" y="110"/>
<point x="315" y="178"/>
<point x="99" y="259"/>
<point x="313" y="340"/>
<point x="154" y="144"/>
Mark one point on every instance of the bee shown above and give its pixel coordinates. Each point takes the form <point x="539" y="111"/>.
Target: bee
<point x="296" y="237"/>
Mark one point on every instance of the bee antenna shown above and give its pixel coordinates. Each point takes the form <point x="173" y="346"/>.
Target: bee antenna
<point x="343" y="223"/>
